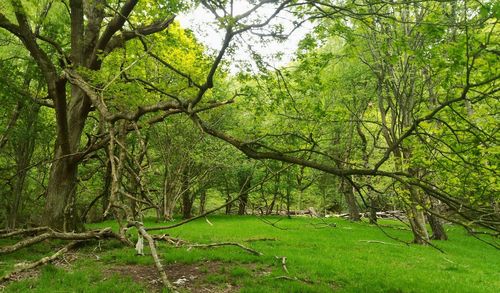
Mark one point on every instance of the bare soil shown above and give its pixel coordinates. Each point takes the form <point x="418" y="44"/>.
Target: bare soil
<point x="186" y="277"/>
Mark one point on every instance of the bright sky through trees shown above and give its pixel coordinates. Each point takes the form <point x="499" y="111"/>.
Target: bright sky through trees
<point x="277" y="53"/>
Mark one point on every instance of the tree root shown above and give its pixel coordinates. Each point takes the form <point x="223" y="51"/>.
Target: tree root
<point x="27" y="266"/>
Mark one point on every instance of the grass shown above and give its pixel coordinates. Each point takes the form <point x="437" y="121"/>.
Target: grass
<point x="328" y="259"/>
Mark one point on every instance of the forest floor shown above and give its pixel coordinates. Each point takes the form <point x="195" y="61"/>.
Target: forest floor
<point x="322" y="255"/>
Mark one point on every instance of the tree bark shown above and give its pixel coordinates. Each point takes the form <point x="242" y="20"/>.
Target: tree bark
<point x="373" y="211"/>
<point x="438" y="231"/>
<point x="60" y="212"/>
<point x="350" y="199"/>
<point x="187" y="205"/>
<point x="244" y="180"/>
<point x="203" y="201"/>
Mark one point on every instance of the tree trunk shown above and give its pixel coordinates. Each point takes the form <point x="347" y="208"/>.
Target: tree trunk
<point x="373" y="211"/>
<point x="243" y="204"/>
<point x="187" y="205"/>
<point x="350" y="199"/>
<point x="228" y="206"/>
<point x="203" y="201"/>
<point x="417" y="224"/>
<point x="438" y="232"/>
<point x="60" y="212"/>
<point x="168" y="208"/>
<point x="107" y="188"/>
<point x="288" y="202"/>
<point x="416" y="214"/>
<point x="244" y="183"/>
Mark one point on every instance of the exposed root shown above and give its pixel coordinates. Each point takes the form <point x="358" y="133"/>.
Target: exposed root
<point x="224" y="244"/>
<point x="27" y="266"/>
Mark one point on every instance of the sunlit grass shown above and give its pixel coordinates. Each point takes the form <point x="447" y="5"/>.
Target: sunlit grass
<point x="345" y="258"/>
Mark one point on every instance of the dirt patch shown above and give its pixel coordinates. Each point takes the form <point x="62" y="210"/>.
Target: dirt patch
<point x="186" y="277"/>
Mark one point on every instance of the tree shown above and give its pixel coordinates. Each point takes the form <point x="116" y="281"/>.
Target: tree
<point x="93" y="38"/>
<point x="401" y="87"/>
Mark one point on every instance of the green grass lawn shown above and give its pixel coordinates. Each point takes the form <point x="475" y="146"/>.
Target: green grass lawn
<point x="322" y="260"/>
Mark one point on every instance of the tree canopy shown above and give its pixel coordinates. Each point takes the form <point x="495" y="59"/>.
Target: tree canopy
<point x="111" y="109"/>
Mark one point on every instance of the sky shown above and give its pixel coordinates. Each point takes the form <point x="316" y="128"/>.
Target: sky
<point x="202" y="22"/>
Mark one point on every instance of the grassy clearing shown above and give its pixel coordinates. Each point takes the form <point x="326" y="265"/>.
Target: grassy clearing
<point x="323" y="260"/>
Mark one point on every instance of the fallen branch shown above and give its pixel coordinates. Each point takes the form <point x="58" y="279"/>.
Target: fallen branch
<point x="293" y="279"/>
<point x="11" y="233"/>
<point x="169" y="239"/>
<point x="261" y="239"/>
<point x="377" y="241"/>
<point x="225" y="244"/>
<point x="154" y="253"/>
<point x="104" y="233"/>
<point x="273" y="224"/>
<point x="283" y="263"/>
<point x="27" y="266"/>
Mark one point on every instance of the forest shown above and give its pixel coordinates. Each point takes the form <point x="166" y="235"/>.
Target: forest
<point x="137" y="156"/>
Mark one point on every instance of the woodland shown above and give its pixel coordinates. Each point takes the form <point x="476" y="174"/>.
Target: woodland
<point x="123" y="133"/>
